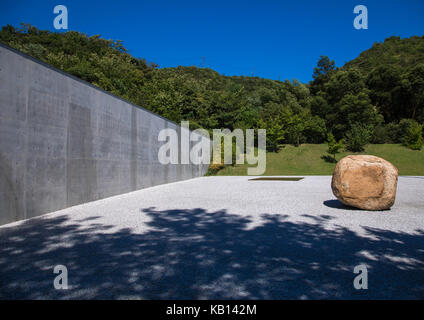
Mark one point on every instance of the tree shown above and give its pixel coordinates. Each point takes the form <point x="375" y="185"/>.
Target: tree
<point x="274" y="133"/>
<point x="414" y="83"/>
<point x="295" y="125"/>
<point x="325" y="67"/>
<point x="357" y="137"/>
<point x="348" y="101"/>
<point x="386" y="91"/>
<point x="334" y="146"/>
<point x="413" y="138"/>
<point x="315" y="130"/>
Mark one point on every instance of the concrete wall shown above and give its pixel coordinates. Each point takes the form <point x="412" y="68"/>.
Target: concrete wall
<point x="64" y="142"/>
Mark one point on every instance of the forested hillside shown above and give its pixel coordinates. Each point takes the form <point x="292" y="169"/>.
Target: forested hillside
<point x="378" y="97"/>
<point x="394" y="51"/>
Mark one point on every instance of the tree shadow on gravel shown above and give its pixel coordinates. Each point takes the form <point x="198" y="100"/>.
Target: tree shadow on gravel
<point x="195" y="254"/>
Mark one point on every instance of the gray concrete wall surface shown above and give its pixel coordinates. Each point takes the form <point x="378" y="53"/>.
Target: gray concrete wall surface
<point x="64" y="142"/>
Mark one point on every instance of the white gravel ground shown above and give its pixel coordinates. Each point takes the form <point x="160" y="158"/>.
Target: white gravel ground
<point x="220" y="238"/>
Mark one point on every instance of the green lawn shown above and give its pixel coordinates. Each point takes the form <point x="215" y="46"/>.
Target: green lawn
<point x="306" y="160"/>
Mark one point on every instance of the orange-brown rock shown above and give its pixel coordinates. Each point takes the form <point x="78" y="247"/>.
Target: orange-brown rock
<point x="365" y="182"/>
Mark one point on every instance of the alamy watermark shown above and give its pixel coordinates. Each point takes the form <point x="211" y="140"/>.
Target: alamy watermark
<point x="60" y="282"/>
<point x="361" y="280"/>
<point x="61" y="20"/>
<point x="195" y="147"/>
<point x="361" y="20"/>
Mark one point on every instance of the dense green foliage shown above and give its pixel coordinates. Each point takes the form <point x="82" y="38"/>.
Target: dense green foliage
<point x="377" y="91"/>
<point x="394" y="52"/>
<point x="394" y="72"/>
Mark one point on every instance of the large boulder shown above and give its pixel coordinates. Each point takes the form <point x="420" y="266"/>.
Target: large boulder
<point x="365" y="182"/>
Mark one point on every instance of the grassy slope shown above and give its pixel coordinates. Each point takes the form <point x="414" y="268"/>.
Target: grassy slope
<point x="306" y="160"/>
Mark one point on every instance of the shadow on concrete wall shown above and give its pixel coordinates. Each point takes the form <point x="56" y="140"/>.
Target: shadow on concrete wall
<point x="192" y="254"/>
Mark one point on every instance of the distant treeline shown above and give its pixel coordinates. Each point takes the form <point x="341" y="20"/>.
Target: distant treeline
<point x="379" y="95"/>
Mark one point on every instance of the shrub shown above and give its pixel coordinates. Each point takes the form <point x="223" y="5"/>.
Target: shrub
<point x="404" y="126"/>
<point x="380" y="135"/>
<point x="413" y="138"/>
<point x="357" y="138"/>
<point x="214" y="168"/>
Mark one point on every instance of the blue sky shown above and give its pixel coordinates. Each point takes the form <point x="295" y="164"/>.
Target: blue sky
<point x="272" y="39"/>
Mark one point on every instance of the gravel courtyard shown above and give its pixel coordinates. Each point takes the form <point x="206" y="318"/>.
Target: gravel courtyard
<point x="220" y="238"/>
